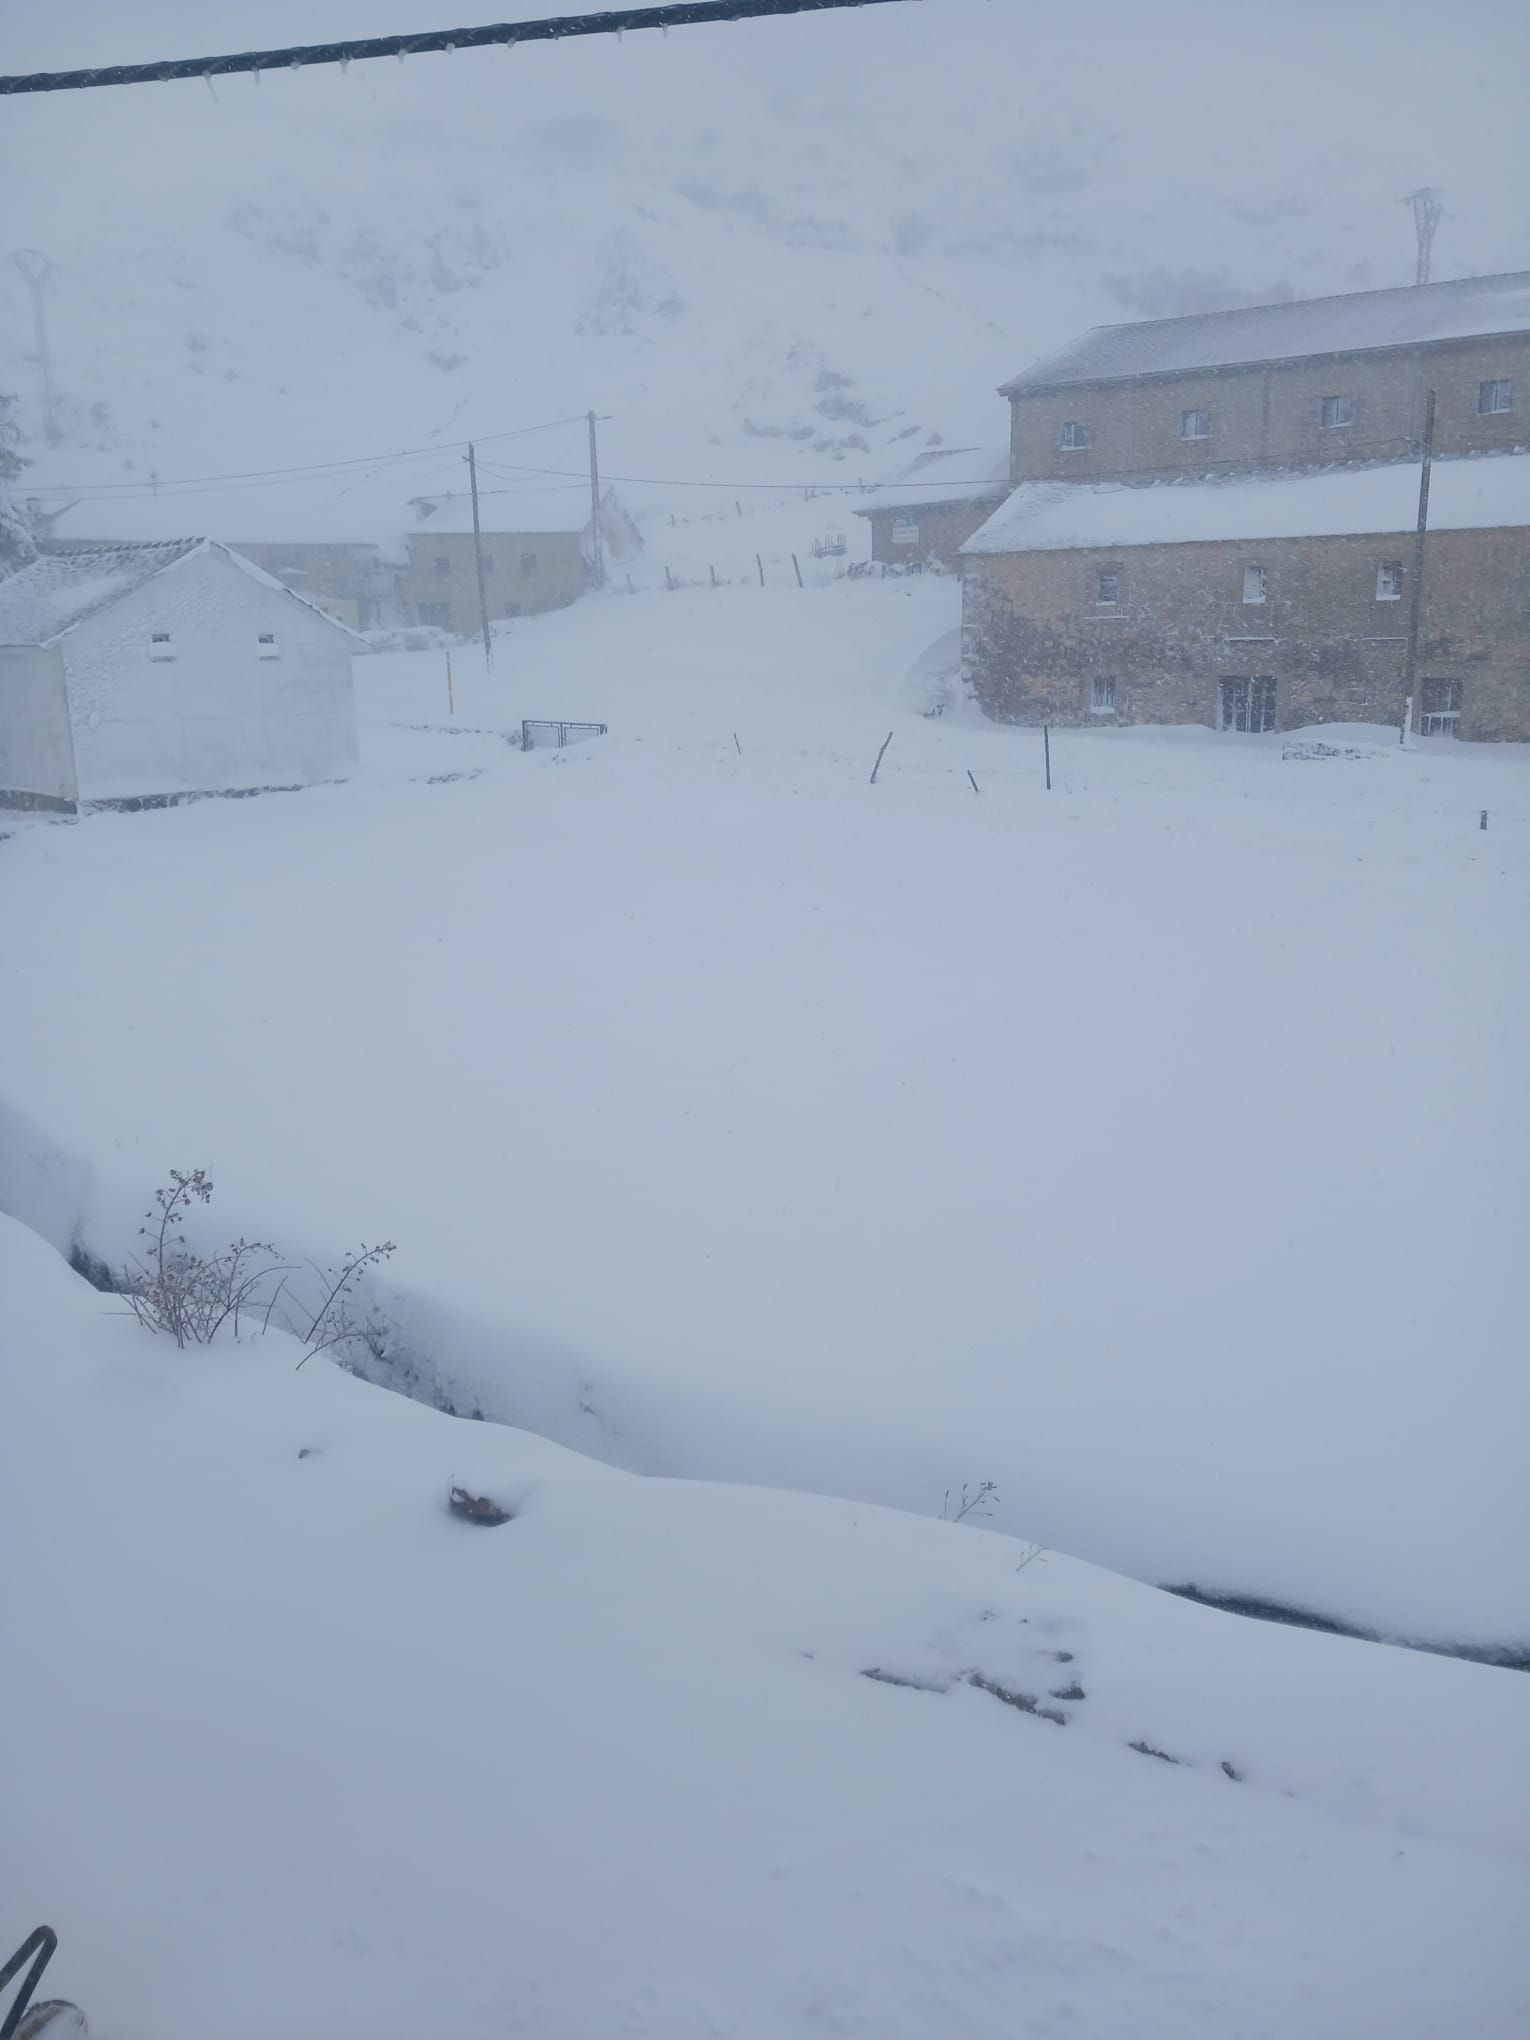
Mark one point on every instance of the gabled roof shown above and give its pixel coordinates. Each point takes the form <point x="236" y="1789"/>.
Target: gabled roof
<point x="944" y="474"/>
<point x="1357" y="322"/>
<point x="523" y="512"/>
<point x="1485" y="492"/>
<point x="56" y="594"/>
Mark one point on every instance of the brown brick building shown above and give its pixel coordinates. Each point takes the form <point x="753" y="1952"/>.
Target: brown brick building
<point x="1214" y="520"/>
<point x="1257" y="602"/>
<point x="936" y="504"/>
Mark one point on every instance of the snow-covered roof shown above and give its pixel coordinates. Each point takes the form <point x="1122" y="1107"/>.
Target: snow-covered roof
<point x="945" y="474"/>
<point x="551" y="506"/>
<point x="1465" y="495"/>
<point x="61" y="589"/>
<point x="1357" y="322"/>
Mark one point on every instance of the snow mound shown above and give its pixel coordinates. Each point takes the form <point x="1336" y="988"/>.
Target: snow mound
<point x="663" y="1758"/>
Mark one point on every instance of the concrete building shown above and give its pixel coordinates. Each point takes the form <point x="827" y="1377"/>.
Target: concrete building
<point x="152" y="672"/>
<point x="1309" y="383"/>
<point x="537" y="552"/>
<point x="1257" y="602"/>
<point x="932" y="508"/>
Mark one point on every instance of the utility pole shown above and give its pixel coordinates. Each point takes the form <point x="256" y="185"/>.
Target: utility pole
<point x="597" y="546"/>
<point x="1416" y="592"/>
<point x="1427" y="210"/>
<point x="483" y="600"/>
<point x="36" y="268"/>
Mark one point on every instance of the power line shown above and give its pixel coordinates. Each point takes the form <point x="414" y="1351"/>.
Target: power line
<point x="821" y="484"/>
<point x="683" y="14"/>
<point x="319" y="469"/>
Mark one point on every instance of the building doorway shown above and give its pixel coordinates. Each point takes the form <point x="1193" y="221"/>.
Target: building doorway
<point x="1248" y="705"/>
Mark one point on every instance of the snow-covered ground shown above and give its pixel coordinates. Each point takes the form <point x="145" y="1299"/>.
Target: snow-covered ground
<point x="1154" y="1148"/>
<point x="295" y="1751"/>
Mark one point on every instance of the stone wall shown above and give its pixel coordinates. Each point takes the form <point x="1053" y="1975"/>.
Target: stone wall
<point x="1037" y="640"/>
<point x="1270" y="415"/>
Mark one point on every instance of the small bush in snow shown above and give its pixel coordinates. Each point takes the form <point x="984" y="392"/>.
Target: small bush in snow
<point x="977" y="1503"/>
<point x="192" y="1296"/>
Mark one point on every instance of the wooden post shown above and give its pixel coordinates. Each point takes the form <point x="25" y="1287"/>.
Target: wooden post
<point x="669" y="579"/>
<point x="761" y="565"/>
<point x="799" y="570"/>
<point x="975" y="787"/>
<point x="880" y="756"/>
<point x="597" y="543"/>
<point x="1416" y="592"/>
<point x="1046" y="751"/>
<point x="713" y="572"/>
<point x="483" y="600"/>
<point x="740" y="750"/>
<point x="451" y="706"/>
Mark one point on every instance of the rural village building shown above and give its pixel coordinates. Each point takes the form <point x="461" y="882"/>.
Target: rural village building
<point x="151" y="672"/>
<point x="1214" y="517"/>
<point x="935" y="505"/>
<point x="537" y="546"/>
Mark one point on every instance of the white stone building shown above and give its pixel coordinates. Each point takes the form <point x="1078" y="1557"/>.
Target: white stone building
<point x="150" y="672"/>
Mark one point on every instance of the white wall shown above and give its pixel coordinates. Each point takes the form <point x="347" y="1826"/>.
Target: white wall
<point x="36" y="751"/>
<point x="217" y="714"/>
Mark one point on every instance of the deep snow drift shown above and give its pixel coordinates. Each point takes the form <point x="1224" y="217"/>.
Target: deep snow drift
<point x="1154" y="1147"/>
<point x="296" y="1751"/>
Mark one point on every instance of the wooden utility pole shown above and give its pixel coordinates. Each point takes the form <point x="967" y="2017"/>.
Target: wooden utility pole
<point x="597" y="546"/>
<point x="483" y="600"/>
<point x="1416" y="592"/>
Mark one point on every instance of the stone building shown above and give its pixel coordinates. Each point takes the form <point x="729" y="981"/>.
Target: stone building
<point x="1257" y="602"/>
<point x="927" y="514"/>
<point x="1214" y="520"/>
<point x="1309" y="383"/>
<point x="537" y="549"/>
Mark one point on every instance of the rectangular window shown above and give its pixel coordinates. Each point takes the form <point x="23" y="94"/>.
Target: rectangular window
<point x="1495" y="396"/>
<point x="1255" y="584"/>
<point x="1389" y="581"/>
<point x="1107" y="587"/>
<point x="905" y="531"/>
<point x="266" y="646"/>
<point x="1102" y="696"/>
<point x="1195" y="424"/>
<point x="1337" y="413"/>
<point x="1075" y="436"/>
<point x="528" y="563"/>
<point x="1248" y="705"/>
<point x="443" y="567"/>
<point x="160" y="645"/>
<point x="1440" y="706"/>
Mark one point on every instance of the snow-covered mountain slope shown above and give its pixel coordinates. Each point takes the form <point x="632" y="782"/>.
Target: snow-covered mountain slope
<point x="780" y="250"/>
<point x="298" y="1752"/>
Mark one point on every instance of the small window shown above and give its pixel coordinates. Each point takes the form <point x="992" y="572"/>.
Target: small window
<point x="443" y="567"/>
<point x="1075" y="436"/>
<point x="1102" y="696"/>
<point x="1255" y="584"/>
<point x="905" y="531"/>
<point x="1248" y="705"/>
<point x="528" y="563"/>
<point x="1195" y="424"/>
<point x="161" y="645"/>
<point x="1389" y="581"/>
<point x="1440" y="704"/>
<point x="1107" y="587"/>
<point x="1337" y="413"/>
<point x="1495" y="396"/>
<point x="266" y="646"/>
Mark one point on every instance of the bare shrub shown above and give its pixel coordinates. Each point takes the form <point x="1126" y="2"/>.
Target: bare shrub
<point x="176" y="1290"/>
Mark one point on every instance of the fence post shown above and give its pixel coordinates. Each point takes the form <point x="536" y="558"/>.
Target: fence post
<point x="799" y="570"/>
<point x="1046" y="748"/>
<point x="880" y="756"/>
<point x="761" y="565"/>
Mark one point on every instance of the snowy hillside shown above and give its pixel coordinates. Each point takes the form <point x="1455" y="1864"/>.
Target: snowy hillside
<point x="780" y="251"/>
<point x="305" y="1754"/>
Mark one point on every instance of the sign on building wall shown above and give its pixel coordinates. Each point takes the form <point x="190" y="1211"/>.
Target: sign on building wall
<point x="905" y="531"/>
